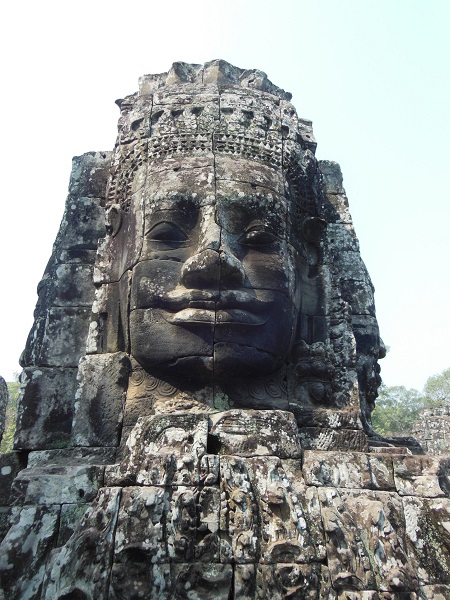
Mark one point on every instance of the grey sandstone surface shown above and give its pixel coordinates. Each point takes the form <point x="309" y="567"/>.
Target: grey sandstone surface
<point x="194" y="418"/>
<point x="3" y="404"/>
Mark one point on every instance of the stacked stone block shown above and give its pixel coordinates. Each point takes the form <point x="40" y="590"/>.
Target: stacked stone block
<point x="65" y="294"/>
<point x="229" y="506"/>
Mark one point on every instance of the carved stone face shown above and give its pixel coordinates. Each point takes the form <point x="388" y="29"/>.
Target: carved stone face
<point x="215" y="288"/>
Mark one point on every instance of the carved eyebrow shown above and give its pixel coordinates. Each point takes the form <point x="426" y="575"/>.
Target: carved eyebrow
<point x="175" y="201"/>
<point x="184" y="215"/>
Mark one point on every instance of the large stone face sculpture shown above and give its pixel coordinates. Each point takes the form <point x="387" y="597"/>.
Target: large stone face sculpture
<point x="194" y="419"/>
<point x="227" y="275"/>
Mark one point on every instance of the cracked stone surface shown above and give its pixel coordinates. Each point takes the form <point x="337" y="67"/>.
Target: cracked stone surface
<point x="194" y="414"/>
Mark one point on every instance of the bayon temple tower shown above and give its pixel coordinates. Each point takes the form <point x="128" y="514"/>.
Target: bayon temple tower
<point x="197" y="388"/>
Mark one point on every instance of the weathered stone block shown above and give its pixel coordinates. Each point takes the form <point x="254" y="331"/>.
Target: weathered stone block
<point x="342" y="237"/>
<point x="428" y="534"/>
<point x="256" y="174"/>
<point x="260" y="491"/>
<point x="359" y="295"/>
<point x="10" y="465"/>
<point x="82" y="225"/>
<point x="201" y="581"/>
<point x="420" y="475"/>
<point x="30" y="355"/>
<point x="314" y="438"/>
<point x="57" y="484"/>
<point x="64" y="285"/>
<point x="3" y="403"/>
<point x="381" y="472"/>
<point x="319" y="417"/>
<point x="165" y="470"/>
<point x="355" y="470"/>
<point x="366" y="541"/>
<point x="255" y="433"/>
<point x="435" y="592"/>
<point x="178" y="440"/>
<point x="25" y="550"/>
<point x="73" y="285"/>
<point x="337" y="209"/>
<point x="69" y="520"/>
<point x="332" y="177"/>
<point x="288" y="511"/>
<point x="192" y="527"/>
<point x="45" y="408"/>
<point x="82" y="567"/>
<point x="140" y="578"/>
<point x="337" y="469"/>
<point x="352" y="268"/>
<point x="100" y="398"/>
<point x="432" y="430"/>
<point x="373" y="595"/>
<point x="148" y="395"/>
<point x="239" y="514"/>
<point x="77" y="256"/>
<point x="281" y="581"/>
<point x="158" y="525"/>
<point x="65" y="336"/>
<point x="89" y="174"/>
<point x="72" y="456"/>
<point x="141" y="526"/>
<point x="5" y="513"/>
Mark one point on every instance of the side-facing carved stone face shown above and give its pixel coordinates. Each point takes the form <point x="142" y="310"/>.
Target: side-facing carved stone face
<point x="215" y="289"/>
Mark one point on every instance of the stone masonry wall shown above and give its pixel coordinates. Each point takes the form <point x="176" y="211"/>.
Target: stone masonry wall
<point x="65" y="295"/>
<point x="432" y="430"/>
<point x="190" y="511"/>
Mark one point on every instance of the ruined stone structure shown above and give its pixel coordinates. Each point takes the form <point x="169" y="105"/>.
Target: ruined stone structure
<point x="432" y="430"/>
<point x="194" y="420"/>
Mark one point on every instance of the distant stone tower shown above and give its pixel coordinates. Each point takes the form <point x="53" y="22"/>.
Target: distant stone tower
<point x="194" y="420"/>
<point x="432" y="430"/>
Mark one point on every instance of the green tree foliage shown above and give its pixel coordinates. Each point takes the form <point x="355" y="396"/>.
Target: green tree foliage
<point x="397" y="408"/>
<point x="437" y="389"/>
<point x="10" y="421"/>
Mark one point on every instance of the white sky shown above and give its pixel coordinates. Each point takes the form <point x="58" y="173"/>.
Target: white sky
<point x="372" y="75"/>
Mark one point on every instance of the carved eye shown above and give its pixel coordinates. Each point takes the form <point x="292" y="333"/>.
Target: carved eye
<point x="258" y="236"/>
<point x="168" y="232"/>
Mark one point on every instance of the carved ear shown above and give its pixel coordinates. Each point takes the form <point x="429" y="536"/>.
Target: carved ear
<point x="113" y="219"/>
<point x="312" y="229"/>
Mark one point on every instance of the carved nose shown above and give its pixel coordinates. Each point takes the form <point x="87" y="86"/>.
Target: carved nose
<point x="212" y="268"/>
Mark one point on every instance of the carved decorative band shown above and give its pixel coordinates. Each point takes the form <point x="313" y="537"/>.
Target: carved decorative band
<point x="129" y="157"/>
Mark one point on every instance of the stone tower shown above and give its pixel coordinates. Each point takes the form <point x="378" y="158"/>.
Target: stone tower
<point x="194" y="419"/>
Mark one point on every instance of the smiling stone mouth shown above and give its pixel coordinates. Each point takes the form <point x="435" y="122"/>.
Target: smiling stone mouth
<point x="217" y="317"/>
<point x="228" y="301"/>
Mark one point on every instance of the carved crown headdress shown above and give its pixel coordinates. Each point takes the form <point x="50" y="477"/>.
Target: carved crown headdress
<point x="216" y="107"/>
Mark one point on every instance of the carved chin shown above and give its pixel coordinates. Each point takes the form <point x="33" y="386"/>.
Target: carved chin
<point x="230" y="362"/>
<point x="237" y="361"/>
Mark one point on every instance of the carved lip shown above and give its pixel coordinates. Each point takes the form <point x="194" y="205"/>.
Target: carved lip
<point x="217" y="307"/>
<point x="225" y="317"/>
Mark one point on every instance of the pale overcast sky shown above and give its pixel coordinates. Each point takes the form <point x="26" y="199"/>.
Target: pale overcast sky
<point x="372" y="75"/>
